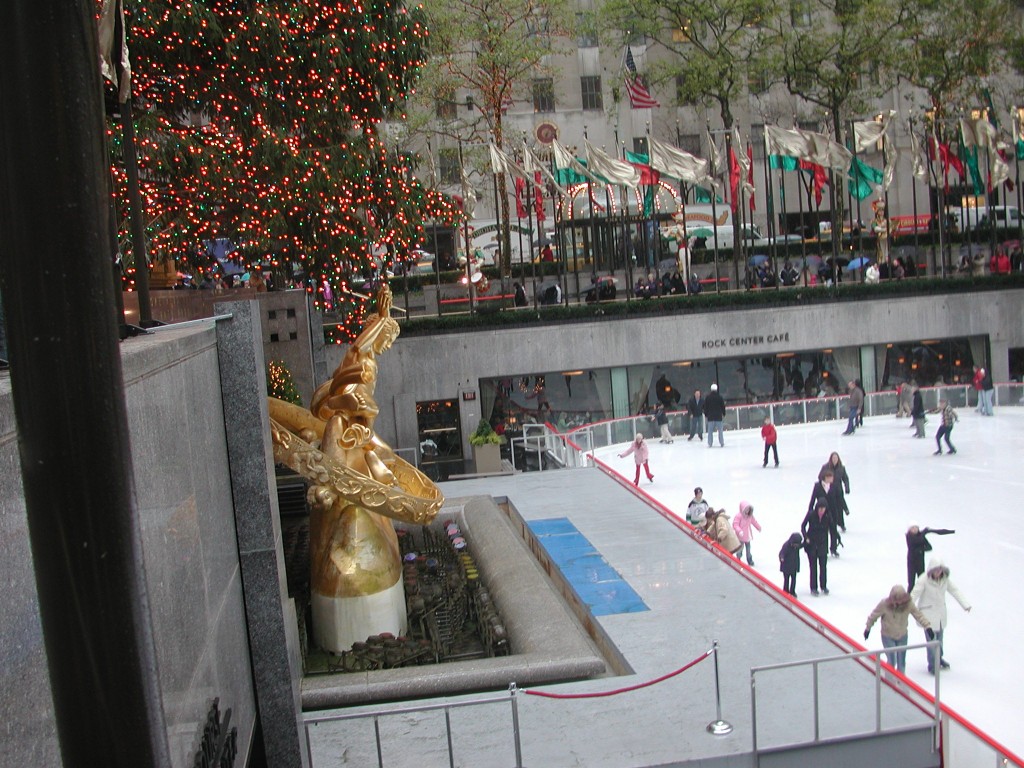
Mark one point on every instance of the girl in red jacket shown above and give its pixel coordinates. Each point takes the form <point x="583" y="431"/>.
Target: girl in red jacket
<point x="771" y="438"/>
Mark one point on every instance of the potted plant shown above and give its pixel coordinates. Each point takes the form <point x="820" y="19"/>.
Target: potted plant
<point x="486" y="448"/>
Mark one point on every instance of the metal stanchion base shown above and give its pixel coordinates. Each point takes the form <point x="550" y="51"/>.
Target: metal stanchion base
<point x="719" y="728"/>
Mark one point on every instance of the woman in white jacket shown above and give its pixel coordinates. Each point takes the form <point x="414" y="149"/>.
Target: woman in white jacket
<point x="930" y="597"/>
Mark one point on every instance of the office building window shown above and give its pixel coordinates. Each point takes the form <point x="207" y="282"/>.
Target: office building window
<point x="800" y="13"/>
<point x="590" y="87"/>
<point x="445" y="108"/>
<point x="543" y="95"/>
<point x="448" y="162"/>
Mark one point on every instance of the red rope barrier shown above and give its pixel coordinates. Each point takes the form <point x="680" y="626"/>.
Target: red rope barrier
<point x="627" y="689"/>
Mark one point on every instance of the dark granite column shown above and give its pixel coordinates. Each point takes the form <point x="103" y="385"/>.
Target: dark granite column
<point x="273" y="632"/>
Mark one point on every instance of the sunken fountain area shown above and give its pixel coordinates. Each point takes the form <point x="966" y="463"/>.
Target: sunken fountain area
<point x="485" y="607"/>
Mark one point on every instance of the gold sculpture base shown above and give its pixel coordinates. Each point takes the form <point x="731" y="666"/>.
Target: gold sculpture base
<point x="338" y="622"/>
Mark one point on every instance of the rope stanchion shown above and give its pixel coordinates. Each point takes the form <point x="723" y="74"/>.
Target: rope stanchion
<point x="616" y="691"/>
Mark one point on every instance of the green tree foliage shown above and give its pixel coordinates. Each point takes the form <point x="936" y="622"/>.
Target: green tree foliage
<point x="258" y="122"/>
<point x="494" y="49"/>
<point x="715" y="43"/>
<point x="951" y="48"/>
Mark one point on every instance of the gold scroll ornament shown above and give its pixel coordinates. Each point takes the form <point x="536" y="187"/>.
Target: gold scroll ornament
<point x="356" y="480"/>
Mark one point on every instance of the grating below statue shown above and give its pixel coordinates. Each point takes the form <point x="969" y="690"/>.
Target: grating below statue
<point x="356" y="484"/>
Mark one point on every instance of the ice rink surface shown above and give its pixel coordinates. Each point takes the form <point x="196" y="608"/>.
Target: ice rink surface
<point x="895" y="481"/>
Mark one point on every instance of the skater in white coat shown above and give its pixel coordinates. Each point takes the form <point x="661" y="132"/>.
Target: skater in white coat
<point x="930" y="597"/>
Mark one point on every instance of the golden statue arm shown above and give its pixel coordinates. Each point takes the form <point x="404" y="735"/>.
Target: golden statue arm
<point x="414" y="499"/>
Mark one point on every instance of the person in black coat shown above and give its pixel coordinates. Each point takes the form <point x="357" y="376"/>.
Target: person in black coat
<point x="917" y="413"/>
<point x="917" y="545"/>
<point x="822" y="494"/>
<point x="815" y="529"/>
<point x="839" y="488"/>
<point x="695" y="407"/>
<point x="714" y="412"/>
<point x="789" y="563"/>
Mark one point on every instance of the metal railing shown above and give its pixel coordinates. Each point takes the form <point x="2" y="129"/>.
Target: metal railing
<point x="588" y="438"/>
<point x="875" y="657"/>
<point x="377" y="714"/>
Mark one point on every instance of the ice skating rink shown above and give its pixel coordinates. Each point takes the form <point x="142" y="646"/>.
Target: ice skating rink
<point x="895" y="481"/>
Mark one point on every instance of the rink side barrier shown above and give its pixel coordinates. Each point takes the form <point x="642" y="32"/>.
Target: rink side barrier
<point x="960" y="741"/>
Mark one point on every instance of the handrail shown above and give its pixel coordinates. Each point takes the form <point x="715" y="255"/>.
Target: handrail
<point x="876" y="657"/>
<point x="376" y="714"/>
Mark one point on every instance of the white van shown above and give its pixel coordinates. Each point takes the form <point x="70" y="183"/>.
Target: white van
<point x="753" y="237"/>
<point x="1005" y="217"/>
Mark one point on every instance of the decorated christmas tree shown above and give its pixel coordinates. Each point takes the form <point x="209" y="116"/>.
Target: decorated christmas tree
<point x="257" y="123"/>
<point x="280" y="383"/>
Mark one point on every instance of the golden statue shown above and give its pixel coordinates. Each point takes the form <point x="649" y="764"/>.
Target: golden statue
<point x="356" y="483"/>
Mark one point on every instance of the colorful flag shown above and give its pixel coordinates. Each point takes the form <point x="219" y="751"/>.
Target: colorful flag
<point x="639" y="96"/>
<point x="114" y="52"/>
<point x="520" y="206"/>
<point x="917" y="158"/>
<point x="864" y="179"/>
<point x="612" y="170"/>
<point x="820" y="178"/>
<point x="677" y="163"/>
<point x="570" y="170"/>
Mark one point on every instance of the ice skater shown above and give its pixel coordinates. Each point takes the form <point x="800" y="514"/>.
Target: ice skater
<point x="815" y="529"/>
<point x="714" y="412"/>
<point x="949" y="418"/>
<point x="917" y="412"/>
<point x="697" y="508"/>
<point x="930" y="596"/>
<point x="661" y="419"/>
<point x="771" y="440"/>
<point x="742" y="525"/>
<point x="895" y="611"/>
<point x="917" y="545"/>
<point x="838" y="490"/>
<point x="718" y="529"/>
<point x="641" y="453"/>
<point x="695" y="408"/>
<point x="789" y="562"/>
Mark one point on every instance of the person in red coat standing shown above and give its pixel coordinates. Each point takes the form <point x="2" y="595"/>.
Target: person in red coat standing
<point x="771" y="439"/>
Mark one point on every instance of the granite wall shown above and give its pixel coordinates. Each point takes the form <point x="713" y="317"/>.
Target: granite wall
<point x="190" y="485"/>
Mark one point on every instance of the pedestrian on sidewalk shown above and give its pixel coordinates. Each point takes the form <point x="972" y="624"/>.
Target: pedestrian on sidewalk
<point x="949" y="418"/>
<point x="789" y="562"/>
<point x="641" y="453"/>
<point x="895" y="612"/>
<point x="743" y="524"/>
<point x="930" y="596"/>
<point x="771" y="440"/>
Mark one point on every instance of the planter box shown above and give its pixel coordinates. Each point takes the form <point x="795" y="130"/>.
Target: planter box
<point x="487" y="458"/>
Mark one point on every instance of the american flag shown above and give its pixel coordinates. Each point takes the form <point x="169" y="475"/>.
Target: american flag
<point x="639" y="96"/>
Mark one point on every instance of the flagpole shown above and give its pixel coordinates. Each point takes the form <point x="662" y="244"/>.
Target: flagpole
<point x="849" y="189"/>
<point x="940" y="192"/>
<point x="714" y="211"/>
<point x="437" y="256"/>
<point x="913" y="194"/>
<point x="465" y="230"/>
<point x="773" y="230"/>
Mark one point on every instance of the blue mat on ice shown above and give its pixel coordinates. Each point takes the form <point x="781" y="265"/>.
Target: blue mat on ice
<point x="598" y="584"/>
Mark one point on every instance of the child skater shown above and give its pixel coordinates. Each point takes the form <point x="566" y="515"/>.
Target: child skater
<point x="789" y="562"/>
<point x="771" y="439"/>
<point x="742" y="524"/>
<point x="640" y="455"/>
